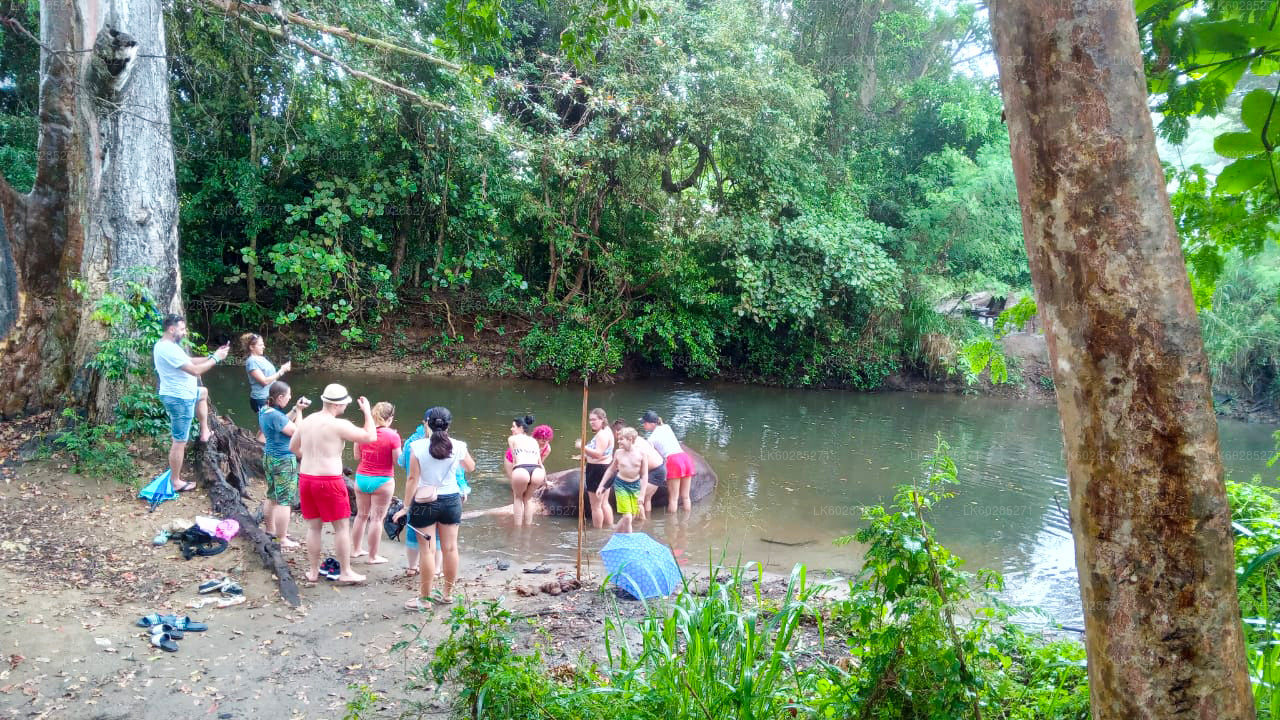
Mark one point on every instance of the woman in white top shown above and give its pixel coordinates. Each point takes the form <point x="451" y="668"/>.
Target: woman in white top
<point x="433" y="502"/>
<point x="679" y="465"/>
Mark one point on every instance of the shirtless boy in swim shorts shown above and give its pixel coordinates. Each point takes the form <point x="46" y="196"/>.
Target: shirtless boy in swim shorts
<point x="631" y="466"/>
<point x="320" y="440"/>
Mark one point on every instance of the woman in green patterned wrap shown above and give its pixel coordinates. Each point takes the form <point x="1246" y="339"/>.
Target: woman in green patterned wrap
<point x="280" y="465"/>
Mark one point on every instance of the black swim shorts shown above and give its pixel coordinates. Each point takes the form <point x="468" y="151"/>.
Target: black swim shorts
<point x="658" y="476"/>
<point x="595" y="473"/>
<point x="445" y="509"/>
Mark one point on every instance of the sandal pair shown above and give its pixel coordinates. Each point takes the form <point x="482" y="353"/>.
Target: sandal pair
<point x="226" y="586"/>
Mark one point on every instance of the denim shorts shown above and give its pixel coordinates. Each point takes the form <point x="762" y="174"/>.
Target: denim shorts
<point x="181" y="413"/>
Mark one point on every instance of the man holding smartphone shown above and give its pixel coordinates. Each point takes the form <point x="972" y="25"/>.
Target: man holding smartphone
<point x="180" y="393"/>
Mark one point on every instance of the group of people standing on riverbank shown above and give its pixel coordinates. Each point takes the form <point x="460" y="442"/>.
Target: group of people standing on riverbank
<point x="303" y="464"/>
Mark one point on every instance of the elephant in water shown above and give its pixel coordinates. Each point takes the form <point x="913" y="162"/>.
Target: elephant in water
<point x="559" y="498"/>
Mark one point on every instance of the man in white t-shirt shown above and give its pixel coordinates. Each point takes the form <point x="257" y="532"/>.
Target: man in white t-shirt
<point x="181" y="395"/>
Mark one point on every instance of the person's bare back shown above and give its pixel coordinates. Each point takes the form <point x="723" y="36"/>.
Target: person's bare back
<point x="321" y="437"/>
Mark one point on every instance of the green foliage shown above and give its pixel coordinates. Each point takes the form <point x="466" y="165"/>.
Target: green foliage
<point x="1242" y="327"/>
<point x="1195" y="63"/>
<point x="695" y="186"/>
<point x="362" y="702"/>
<point x="925" y="641"/>
<point x="94" y="449"/>
<point x="980" y="354"/>
<point x="968" y="231"/>
<point x="102" y="446"/>
<point x="1016" y="316"/>
<point x="572" y="348"/>
<point x="1255" y="518"/>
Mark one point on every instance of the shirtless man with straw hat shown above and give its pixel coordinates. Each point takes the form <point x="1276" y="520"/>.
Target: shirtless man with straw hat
<point x="320" y="440"/>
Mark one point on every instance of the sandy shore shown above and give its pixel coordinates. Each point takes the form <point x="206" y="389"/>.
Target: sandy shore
<point x="78" y="568"/>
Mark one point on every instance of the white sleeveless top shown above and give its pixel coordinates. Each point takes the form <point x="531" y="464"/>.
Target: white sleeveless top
<point x="664" y="439"/>
<point x="439" y="473"/>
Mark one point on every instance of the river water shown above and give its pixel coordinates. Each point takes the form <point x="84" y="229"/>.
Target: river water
<point x="795" y="466"/>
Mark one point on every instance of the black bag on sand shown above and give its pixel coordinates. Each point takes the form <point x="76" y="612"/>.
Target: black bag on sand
<point x="195" y="541"/>
<point x="394" y="527"/>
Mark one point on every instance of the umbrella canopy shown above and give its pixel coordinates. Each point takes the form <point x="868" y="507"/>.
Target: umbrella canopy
<point x="641" y="565"/>
<point x="158" y="490"/>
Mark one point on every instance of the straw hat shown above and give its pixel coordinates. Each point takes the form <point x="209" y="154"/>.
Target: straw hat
<point x="336" y="394"/>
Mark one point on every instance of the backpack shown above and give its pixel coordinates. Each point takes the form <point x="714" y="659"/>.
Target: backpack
<point x="195" y="541"/>
<point x="394" y="527"/>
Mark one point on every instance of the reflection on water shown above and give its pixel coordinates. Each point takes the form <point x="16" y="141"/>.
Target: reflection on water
<point x="795" y="468"/>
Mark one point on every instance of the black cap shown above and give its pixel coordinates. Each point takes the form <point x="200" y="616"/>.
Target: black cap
<point x="650" y="417"/>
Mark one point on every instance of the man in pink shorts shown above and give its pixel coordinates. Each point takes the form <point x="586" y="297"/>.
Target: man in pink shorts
<point x="320" y="440"/>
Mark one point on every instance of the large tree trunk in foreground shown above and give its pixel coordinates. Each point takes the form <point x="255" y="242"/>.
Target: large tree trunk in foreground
<point x="104" y="203"/>
<point x="224" y="467"/>
<point x="1148" y="508"/>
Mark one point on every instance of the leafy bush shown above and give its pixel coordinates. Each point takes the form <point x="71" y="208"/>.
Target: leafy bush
<point x="926" y="641"/>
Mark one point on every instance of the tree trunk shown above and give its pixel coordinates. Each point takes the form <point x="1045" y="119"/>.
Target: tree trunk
<point x="1148" y="507"/>
<point x="224" y="467"/>
<point x="104" y="205"/>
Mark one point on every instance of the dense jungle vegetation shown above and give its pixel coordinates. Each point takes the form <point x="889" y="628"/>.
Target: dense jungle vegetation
<point x="781" y="192"/>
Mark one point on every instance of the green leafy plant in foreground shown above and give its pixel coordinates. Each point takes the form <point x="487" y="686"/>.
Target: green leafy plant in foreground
<point x="921" y="639"/>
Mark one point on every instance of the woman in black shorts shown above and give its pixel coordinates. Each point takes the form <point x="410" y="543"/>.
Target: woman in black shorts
<point x="599" y="452"/>
<point x="434" y="503"/>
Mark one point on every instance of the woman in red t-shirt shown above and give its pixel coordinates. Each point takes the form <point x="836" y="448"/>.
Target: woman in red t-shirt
<point x="375" y="483"/>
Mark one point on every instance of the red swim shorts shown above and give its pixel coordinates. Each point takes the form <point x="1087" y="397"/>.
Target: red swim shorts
<point x="679" y="465"/>
<point x="323" y="497"/>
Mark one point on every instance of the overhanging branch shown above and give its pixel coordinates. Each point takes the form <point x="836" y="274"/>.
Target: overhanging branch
<point x="234" y="8"/>
<point x="685" y="184"/>
<point x="407" y="94"/>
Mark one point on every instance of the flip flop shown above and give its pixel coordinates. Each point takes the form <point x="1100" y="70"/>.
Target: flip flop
<point x="184" y="623"/>
<point x="164" y="641"/>
<point x="166" y="629"/>
<point x="201" y="602"/>
<point x="232" y="589"/>
<point x="229" y="601"/>
<point x="418" y="605"/>
<point x="541" y="569"/>
<point x="209" y="586"/>
<point x="410" y="572"/>
<point x="149" y="620"/>
<point x="185" y="487"/>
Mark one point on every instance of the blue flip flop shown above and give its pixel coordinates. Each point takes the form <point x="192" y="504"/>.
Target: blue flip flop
<point x="166" y="629"/>
<point x="149" y="620"/>
<point x="164" y="641"/>
<point x="184" y="623"/>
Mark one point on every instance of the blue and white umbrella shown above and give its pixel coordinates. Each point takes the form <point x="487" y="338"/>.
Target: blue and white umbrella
<point x="158" y="490"/>
<point x="641" y="565"/>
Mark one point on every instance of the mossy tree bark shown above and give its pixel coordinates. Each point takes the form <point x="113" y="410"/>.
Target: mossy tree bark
<point x="1148" y="506"/>
<point x="104" y="202"/>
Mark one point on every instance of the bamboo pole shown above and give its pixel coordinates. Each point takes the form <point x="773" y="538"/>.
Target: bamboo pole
<point x="582" y="474"/>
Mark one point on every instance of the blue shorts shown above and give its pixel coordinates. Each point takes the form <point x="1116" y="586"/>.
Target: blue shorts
<point x="181" y="413"/>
